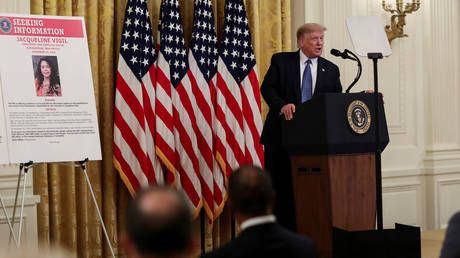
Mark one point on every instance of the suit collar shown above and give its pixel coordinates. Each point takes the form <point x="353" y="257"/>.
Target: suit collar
<point x="296" y="69"/>
<point x="257" y="221"/>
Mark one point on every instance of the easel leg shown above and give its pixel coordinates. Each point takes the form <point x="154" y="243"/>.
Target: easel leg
<point x="83" y="166"/>
<point x="21" y="166"/>
<point x="26" y="167"/>
<point x="22" y="209"/>
<point x="9" y="222"/>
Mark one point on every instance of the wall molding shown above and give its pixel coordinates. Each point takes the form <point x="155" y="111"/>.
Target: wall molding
<point x="400" y="127"/>
<point x="3" y="220"/>
<point x="400" y="187"/>
<point x="402" y="173"/>
<point x="9" y="168"/>
<point x="28" y="200"/>
<point x="401" y="194"/>
<point x="24" y="233"/>
<point x="439" y="184"/>
<point x="15" y="6"/>
<point x="29" y="233"/>
<point x="442" y="159"/>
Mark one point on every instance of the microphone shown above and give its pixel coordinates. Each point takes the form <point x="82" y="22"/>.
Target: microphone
<point x="345" y="55"/>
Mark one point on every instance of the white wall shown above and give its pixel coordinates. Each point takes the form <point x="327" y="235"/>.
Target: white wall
<point x="15" y="6"/>
<point x="421" y="85"/>
<point x="9" y="174"/>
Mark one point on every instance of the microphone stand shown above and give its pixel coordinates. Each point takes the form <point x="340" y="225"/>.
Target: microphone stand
<point x="378" y="160"/>
<point x="358" y="75"/>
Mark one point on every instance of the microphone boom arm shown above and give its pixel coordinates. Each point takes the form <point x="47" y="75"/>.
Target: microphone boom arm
<point x="358" y="75"/>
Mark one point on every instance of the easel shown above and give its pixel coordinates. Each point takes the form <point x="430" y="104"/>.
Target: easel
<point x="24" y="168"/>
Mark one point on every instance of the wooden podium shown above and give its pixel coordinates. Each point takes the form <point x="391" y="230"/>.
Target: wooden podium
<point x="333" y="167"/>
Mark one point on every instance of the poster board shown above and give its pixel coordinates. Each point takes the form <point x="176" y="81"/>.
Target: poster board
<point x="48" y="103"/>
<point x="368" y="35"/>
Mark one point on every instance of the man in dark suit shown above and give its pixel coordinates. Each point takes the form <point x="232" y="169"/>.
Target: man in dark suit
<point x="158" y="224"/>
<point x="293" y="78"/>
<point x="251" y="198"/>
<point x="451" y="245"/>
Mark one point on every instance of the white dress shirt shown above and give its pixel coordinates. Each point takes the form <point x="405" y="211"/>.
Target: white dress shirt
<point x="313" y="69"/>
<point x="257" y="221"/>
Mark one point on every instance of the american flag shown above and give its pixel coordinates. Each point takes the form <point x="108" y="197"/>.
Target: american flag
<point x="134" y="115"/>
<point x="164" y="136"/>
<point x="175" y="94"/>
<point x="203" y="57"/>
<point x="239" y="122"/>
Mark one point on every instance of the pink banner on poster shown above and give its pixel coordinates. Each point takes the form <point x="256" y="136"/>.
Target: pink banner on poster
<point x="21" y="26"/>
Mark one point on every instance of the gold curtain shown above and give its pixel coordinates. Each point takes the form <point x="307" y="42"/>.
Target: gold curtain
<point x="66" y="214"/>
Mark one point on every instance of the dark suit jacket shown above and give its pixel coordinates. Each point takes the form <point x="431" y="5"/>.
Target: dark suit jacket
<point x="281" y="86"/>
<point x="451" y="245"/>
<point x="266" y="240"/>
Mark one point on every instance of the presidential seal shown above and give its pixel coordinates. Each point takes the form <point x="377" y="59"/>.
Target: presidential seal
<point x="359" y="116"/>
<point x="5" y="25"/>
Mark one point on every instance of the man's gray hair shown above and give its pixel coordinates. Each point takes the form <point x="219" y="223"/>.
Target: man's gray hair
<point x="307" y="28"/>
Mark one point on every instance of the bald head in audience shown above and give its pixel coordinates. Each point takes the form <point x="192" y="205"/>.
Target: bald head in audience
<point x="251" y="192"/>
<point x="158" y="224"/>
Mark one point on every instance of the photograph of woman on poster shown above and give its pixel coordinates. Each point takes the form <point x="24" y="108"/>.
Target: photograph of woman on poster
<point x="47" y="76"/>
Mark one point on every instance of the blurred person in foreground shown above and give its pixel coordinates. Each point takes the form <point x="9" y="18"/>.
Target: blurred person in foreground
<point x="451" y="245"/>
<point x="251" y="199"/>
<point x="158" y="224"/>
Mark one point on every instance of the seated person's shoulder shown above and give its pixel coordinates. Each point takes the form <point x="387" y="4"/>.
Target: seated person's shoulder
<point x="299" y="241"/>
<point x="295" y="236"/>
<point x="455" y="218"/>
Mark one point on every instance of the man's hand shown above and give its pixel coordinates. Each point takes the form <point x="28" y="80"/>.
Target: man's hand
<point x="371" y="91"/>
<point x="288" y="111"/>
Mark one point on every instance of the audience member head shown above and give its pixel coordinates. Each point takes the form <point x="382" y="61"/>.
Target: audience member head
<point x="310" y="39"/>
<point x="251" y="192"/>
<point x="158" y="224"/>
